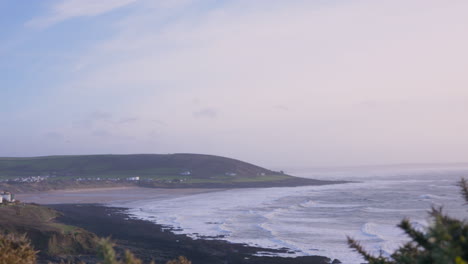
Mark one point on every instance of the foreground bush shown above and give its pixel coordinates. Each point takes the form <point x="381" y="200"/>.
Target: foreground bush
<point x="108" y="254"/>
<point x="445" y="241"/>
<point x="16" y="249"/>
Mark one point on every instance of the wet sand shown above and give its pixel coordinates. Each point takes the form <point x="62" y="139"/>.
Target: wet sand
<point x="150" y="241"/>
<point x="114" y="195"/>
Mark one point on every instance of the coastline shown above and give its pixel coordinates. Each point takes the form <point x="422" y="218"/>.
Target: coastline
<point x="100" y="210"/>
<point x="105" y="195"/>
<point x="151" y="241"/>
<point x="67" y="185"/>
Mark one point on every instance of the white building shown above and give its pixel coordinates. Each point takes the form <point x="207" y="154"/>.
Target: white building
<point x="7" y="197"/>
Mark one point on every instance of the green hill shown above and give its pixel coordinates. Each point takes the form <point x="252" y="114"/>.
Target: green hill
<point x="152" y="170"/>
<point x="127" y="165"/>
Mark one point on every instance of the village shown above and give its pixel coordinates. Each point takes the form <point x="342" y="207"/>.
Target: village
<point x="7" y="198"/>
<point x="53" y="176"/>
<point x="29" y="179"/>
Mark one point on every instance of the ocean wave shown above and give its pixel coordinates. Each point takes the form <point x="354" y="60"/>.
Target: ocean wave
<point x="310" y="220"/>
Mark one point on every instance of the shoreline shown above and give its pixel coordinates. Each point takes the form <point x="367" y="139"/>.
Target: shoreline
<point x="106" y="195"/>
<point x="123" y="194"/>
<point x="46" y="186"/>
<point x="152" y="241"/>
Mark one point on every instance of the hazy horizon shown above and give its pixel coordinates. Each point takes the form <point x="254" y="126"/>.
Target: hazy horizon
<point x="274" y="83"/>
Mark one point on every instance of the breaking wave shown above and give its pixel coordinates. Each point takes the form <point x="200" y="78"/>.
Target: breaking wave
<point x="312" y="220"/>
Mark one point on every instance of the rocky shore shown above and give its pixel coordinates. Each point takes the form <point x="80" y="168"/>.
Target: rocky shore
<point x="150" y="241"/>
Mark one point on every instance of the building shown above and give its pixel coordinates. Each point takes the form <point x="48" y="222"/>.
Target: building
<point x="185" y="173"/>
<point x="8" y="197"/>
<point x="137" y="178"/>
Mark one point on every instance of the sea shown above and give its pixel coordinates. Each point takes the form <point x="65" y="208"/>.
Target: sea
<point x="315" y="220"/>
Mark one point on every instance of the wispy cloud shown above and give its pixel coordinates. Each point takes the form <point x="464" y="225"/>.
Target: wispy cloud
<point x="54" y="136"/>
<point x="68" y="9"/>
<point x="245" y="58"/>
<point x="127" y="120"/>
<point x="325" y="78"/>
<point x="206" y="113"/>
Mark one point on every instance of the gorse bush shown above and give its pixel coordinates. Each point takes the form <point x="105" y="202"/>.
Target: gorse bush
<point x="445" y="241"/>
<point x="15" y="249"/>
<point x="179" y="260"/>
<point x="107" y="252"/>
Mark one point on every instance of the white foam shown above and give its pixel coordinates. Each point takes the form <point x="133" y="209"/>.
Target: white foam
<point x="431" y="197"/>
<point x="311" y="220"/>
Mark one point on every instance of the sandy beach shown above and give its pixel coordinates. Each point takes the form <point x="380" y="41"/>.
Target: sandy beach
<point x="150" y="241"/>
<point x="113" y="195"/>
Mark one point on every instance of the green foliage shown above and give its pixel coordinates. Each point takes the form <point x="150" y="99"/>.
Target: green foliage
<point x="179" y="260"/>
<point x="109" y="256"/>
<point x="445" y="241"/>
<point x="107" y="252"/>
<point x="48" y="236"/>
<point x="464" y="189"/>
<point x="53" y="247"/>
<point x="16" y="249"/>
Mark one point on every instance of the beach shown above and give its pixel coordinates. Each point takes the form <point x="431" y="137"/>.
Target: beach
<point x="148" y="240"/>
<point x="308" y="220"/>
<point x="113" y="195"/>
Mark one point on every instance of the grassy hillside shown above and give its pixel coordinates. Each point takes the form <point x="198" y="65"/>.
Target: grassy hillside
<point x="146" y="165"/>
<point x="153" y="170"/>
<point x="51" y="238"/>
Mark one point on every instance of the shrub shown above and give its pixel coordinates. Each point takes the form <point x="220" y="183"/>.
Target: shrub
<point x="180" y="260"/>
<point x="107" y="252"/>
<point x="16" y="249"/>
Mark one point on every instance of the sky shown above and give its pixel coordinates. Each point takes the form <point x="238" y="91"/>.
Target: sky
<point x="275" y="83"/>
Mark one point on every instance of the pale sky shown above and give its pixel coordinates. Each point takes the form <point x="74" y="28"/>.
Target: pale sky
<point x="276" y="83"/>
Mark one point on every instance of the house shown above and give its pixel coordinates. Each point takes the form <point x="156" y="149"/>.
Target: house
<point x="8" y="196"/>
<point x="137" y="178"/>
<point x="231" y="174"/>
<point x="186" y="173"/>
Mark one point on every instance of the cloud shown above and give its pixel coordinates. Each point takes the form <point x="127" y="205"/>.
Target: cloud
<point x="101" y="133"/>
<point x="282" y="108"/>
<point x="320" y="60"/>
<point x="343" y="69"/>
<point x="54" y="136"/>
<point x="159" y="122"/>
<point x="100" y="115"/>
<point x="206" y="113"/>
<point x="92" y="119"/>
<point x="68" y="9"/>
<point x="127" y="120"/>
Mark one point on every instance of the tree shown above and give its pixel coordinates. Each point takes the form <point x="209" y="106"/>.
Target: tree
<point x="445" y="241"/>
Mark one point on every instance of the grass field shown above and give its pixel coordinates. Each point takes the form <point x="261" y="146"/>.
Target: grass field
<point x="48" y="236"/>
<point x="153" y="170"/>
<point x="202" y="168"/>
